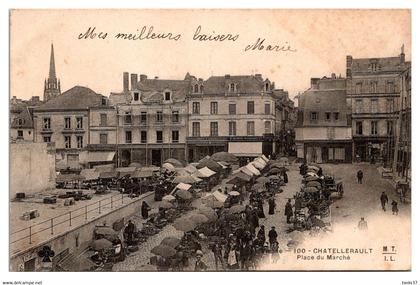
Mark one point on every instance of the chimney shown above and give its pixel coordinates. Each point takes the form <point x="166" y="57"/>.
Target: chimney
<point x="402" y="55"/>
<point x="314" y="83"/>
<point x="133" y="81"/>
<point x="35" y="99"/>
<point x="333" y="76"/>
<point x="349" y="62"/>
<point x="125" y="81"/>
<point x="227" y="76"/>
<point x="143" y="77"/>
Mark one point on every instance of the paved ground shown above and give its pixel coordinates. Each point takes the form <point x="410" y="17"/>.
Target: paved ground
<point x="358" y="201"/>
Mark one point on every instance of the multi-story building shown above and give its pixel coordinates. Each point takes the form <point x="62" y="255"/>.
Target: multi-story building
<point x="151" y="119"/>
<point x="231" y="113"/>
<point x="373" y="89"/>
<point x="21" y="123"/>
<point x="323" y="130"/>
<point x="285" y="122"/>
<point x="64" y="120"/>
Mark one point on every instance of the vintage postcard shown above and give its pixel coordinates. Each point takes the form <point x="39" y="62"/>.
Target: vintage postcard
<point x="210" y="140"/>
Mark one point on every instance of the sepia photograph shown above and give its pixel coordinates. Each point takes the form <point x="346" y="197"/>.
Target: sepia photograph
<point x="209" y="140"/>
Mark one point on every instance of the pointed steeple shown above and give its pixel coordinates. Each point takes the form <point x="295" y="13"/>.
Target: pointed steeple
<point x="52" y="64"/>
<point x="52" y="86"/>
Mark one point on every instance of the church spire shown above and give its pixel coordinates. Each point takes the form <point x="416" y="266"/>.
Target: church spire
<point x="52" y="86"/>
<point x="52" y="64"/>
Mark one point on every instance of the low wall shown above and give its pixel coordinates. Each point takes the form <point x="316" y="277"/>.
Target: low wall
<point x="71" y="241"/>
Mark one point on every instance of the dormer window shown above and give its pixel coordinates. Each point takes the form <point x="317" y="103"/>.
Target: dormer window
<point x="103" y="101"/>
<point x="167" y="95"/>
<point x="136" y="96"/>
<point x="267" y="86"/>
<point x="196" y="88"/>
<point x="232" y="87"/>
<point x="201" y="89"/>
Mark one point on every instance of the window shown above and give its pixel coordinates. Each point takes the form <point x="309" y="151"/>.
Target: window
<point x="167" y="96"/>
<point x="374" y="87"/>
<point x="201" y="89"/>
<point x="79" y="141"/>
<point x="359" y="88"/>
<point x="20" y="134"/>
<point x="336" y="116"/>
<point x="359" y="128"/>
<point x="267" y="127"/>
<point x="327" y="116"/>
<point x="67" y="141"/>
<point x="232" y="109"/>
<point x="67" y="123"/>
<point x="267" y="108"/>
<point x="232" y="128"/>
<point x="250" y="128"/>
<point x="47" y="139"/>
<point x="104" y="119"/>
<point x="128" y="119"/>
<point x="79" y="122"/>
<point x="196" y="107"/>
<point x="390" y="128"/>
<point x="314" y="116"/>
<point x="196" y="129"/>
<point x="196" y="88"/>
<point x="374" y="105"/>
<point x="250" y="107"/>
<point x="103" y="101"/>
<point x="175" y="116"/>
<point x="175" y="136"/>
<point x="213" y="108"/>
<point x="143" y="117"/>
<point x="128" y="137"/>
<point x="214" y="129"/>
<point x="390" y="87"/>
<point x="374" y="66"/>
<point x="374" y="127"/>
<point x="267" y="86"/>
<point x="359" y="106"/>
<point x="159" y="116"/>
<point x="159" y="136"/>
<point x="143" y="136"/>
<point x="21" y="122"/>
<point x="136" y="96"/>
<point x="103" y="138"/>
<point x="390" y="105"/>
<point x="232" y="87"/>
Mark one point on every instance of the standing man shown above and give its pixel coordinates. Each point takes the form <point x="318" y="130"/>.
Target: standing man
<point x="272" y="236"/>
<point x="218" y="255"/>
<point x="384" y="200"/>
<point x="288" y="210"/>
<point x="359" y="176"/>
<point x="271" y="205"/>
<point x="362" y="224"/>
<point x="394" y="207"/>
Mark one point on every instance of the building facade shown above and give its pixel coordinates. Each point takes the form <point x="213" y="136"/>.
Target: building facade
<point x="231" y="113"/>
<point x="64" y="120"/>
<point x="373" y="90"/>
<point x="323" y="130"/>
<point x="151" y="120"/>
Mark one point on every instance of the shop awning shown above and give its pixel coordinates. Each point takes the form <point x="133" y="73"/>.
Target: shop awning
<point x="100" y="156"/>
<point x="183" y="186"/>
<point x="126" y="170"/>
<point x="205" y="172"/>
<point x="104" y="168"/>
<point x="109" y="175"/>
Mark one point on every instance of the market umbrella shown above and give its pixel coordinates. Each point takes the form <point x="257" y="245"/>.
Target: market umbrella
<point x="310" y="189"/>
<point x="171" y="242"/>
<point x="262" y="179"/>
<point x="209" y="163"/>
<point x="169" y="167"/>
<point x="276" y="164"/>
<point x="238" y="178"/>
<point x="135" y="164"/>
<point x="163" y="250"/>
<point x="236" y="209"/>
<point x="261" y="190"/>
<point x="313" y="184"/>
<point x="311" y="178"/>
<point x="234" y="193"/>
<point x="101" y="244"/>
<point x="257" y="186"/>
<point x="224" y="156"/>
<point x="184" y="224"/>
<point x="174" y="162"/>
<point x="165" y="205"/>
<point x="275" y="170"/>
<point x="168" y="198"/>
<point x="214" y="204"/>
<point x="185" y="179"/>
<point x="209" y="213"/>
<point x="184" y="195"/>
<point x="198" y="218"/>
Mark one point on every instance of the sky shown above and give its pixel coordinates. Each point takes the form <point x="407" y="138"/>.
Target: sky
<point x="321" y="39"/>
